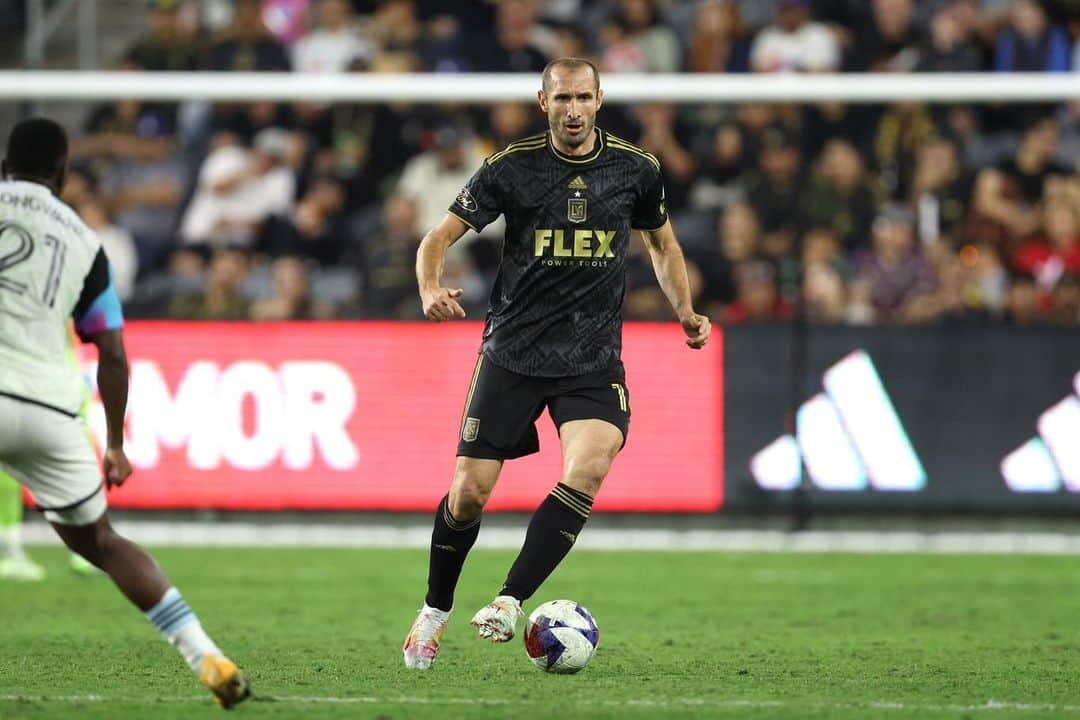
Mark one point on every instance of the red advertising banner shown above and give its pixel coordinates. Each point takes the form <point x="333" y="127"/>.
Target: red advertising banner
<point x="365" y="416"/>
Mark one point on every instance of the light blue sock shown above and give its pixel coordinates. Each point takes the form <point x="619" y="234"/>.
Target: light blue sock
<point x="181" y="628"/>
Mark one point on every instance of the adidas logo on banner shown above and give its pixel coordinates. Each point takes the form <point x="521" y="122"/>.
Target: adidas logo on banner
<point x="849" y="437"/>
<point x="577" y="183"/>
<point x="1050" y="461"/>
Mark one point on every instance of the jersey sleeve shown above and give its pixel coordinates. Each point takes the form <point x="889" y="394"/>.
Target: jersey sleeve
<point x="98" y="308"/>
<point x="478" y="202"/>
<point x="649" y="210"/>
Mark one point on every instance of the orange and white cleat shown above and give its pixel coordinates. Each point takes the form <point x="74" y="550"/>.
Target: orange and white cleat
<point x="221" y="676"/>
<point x="422" y="643"/>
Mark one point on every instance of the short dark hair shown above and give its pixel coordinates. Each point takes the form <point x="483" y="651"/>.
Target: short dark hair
<point x="37" y="148"/>
<point x="570" y="63"/>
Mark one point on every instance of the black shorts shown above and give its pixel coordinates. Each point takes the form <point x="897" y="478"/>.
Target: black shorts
<point x="499" y="421"/>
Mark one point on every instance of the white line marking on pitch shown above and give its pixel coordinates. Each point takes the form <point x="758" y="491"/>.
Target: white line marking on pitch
<point x="990" y="705"/>
<point x="201" y="534"/>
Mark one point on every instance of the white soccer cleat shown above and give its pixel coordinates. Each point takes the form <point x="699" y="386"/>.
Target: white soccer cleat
<point x="21" y="569"/>
<point x="422" y="643"/>
<point x="497" y="621"/>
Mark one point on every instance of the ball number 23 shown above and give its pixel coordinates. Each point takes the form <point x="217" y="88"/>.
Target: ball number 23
<point x="23" y="250"/>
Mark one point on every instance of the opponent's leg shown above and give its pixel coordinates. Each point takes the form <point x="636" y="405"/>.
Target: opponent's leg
<point x="145" y="585"/>
<point x="14" y="564"/>
<point x="457" y="525"/>
<point x="589" y="447"/>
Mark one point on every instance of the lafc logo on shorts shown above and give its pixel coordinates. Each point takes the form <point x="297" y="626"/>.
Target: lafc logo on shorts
<point x="465" y="199"/>
<point x="471" y="430"/>
<point x="576" y="210"/>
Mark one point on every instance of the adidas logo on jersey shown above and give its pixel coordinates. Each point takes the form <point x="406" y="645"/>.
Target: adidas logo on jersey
<point x="577" y="183"/>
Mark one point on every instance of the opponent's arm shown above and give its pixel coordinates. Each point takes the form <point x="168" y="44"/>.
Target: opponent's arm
<point x="670" y="268"/>
<point x="112" y="378"/>
<point x="439" y="303"/>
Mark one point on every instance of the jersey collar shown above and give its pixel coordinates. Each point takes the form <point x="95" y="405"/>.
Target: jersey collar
<point x="578" y="159"/>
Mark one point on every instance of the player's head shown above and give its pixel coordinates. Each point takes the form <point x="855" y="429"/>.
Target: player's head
<point x="570" y="97"/>
<point x="37" y="150"/>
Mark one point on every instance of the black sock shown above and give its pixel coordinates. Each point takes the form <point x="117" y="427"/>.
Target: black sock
<point x="450" y="543"/>
<point x="552" y="531"/>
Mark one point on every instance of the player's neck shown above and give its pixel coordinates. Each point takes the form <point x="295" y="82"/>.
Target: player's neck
<point x="583" y="149"/>
<point x="37" y="181"/>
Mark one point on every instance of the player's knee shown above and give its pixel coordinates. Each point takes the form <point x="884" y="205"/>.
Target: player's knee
<point x="467" y="500"/>
<point x="587" y="474"/>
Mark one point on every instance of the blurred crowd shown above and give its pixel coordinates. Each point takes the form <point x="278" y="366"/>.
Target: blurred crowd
<point x="905" y="213"/>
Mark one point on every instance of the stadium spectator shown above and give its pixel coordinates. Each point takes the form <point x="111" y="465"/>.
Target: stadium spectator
<point x="940" y="192"/>
<point x="1055" y="251"/>
<point x="824" y="294"/>
<point x="886" y="42"/>
<point x="666" y="136"/>
<point x="840" y="196"/>
<point x="794" y="42"/>
<point x="238" y="188"/>
<point x="718" y="39"/>
<point x="658" y="43"/>
<point x="433" y="176"/>
<point x="757" y="299"/>
<point x="166" y="45"/>
<point x="950" y="46"/>
<point x="386" y="262"/>
<point x="737" y="241"/>
<point x="514" y="47"/>
<point x="223" y="297"/>
<point x="313" y="230"/>
<point x="287" y="20"/>
<point x="894" y="276"/>
<point x="506" y="122"/>
<point x="131" y="148"/>
<point x="901" y="131"/>
<point x="620" y="53"/>
<point x="974" y="284"/>
<point x="396" y="28"/>
<point x="117" y="242"/>
<point x="335" y="45"/>
<point x="1009" y="193"/>
<point x="827" y="121"/>
<point x="291" y="299"/>
<point x="1030" y="42"/>
<point x="247" y="45"/>
<point x="774" y="189"/>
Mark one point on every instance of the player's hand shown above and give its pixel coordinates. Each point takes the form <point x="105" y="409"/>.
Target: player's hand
<point x="116" y="467"/>
<point x="697" y="329"/>
<point x="441" y="304"/>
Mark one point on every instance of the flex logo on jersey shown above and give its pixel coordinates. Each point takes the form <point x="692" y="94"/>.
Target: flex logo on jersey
<point x="465" y="199"/>
<point x="591" y="244"/>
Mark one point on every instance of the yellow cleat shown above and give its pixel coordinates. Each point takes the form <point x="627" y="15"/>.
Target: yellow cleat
<point x="221" y="676"/>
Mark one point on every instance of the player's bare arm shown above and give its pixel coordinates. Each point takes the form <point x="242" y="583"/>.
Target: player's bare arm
<point x="112" y="378"/>
<point x="670" y="268"/>
<point x="440" y="303"/>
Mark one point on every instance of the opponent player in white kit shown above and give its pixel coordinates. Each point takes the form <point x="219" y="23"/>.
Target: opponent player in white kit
<point x="53" y="270"/>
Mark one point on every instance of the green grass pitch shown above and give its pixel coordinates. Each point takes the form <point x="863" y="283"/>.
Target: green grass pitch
<point x="683" y="635"/>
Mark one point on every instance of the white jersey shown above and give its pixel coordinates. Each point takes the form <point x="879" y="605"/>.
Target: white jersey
<point x="52" y="270"/>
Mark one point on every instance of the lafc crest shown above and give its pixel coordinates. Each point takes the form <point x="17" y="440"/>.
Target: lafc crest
<point x="576" y="210"/>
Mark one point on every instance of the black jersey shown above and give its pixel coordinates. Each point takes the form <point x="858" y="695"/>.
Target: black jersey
<point x="555" y="309"/>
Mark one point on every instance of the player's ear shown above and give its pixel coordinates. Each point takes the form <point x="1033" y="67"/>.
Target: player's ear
<point x="541" y="98"/>
<point x="599" y="98"/>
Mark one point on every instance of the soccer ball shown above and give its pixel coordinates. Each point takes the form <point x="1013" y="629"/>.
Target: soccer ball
<point x="561" y="636"/>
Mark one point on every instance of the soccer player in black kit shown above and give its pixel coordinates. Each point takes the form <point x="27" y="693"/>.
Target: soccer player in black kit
<point x="571" y="197"/>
